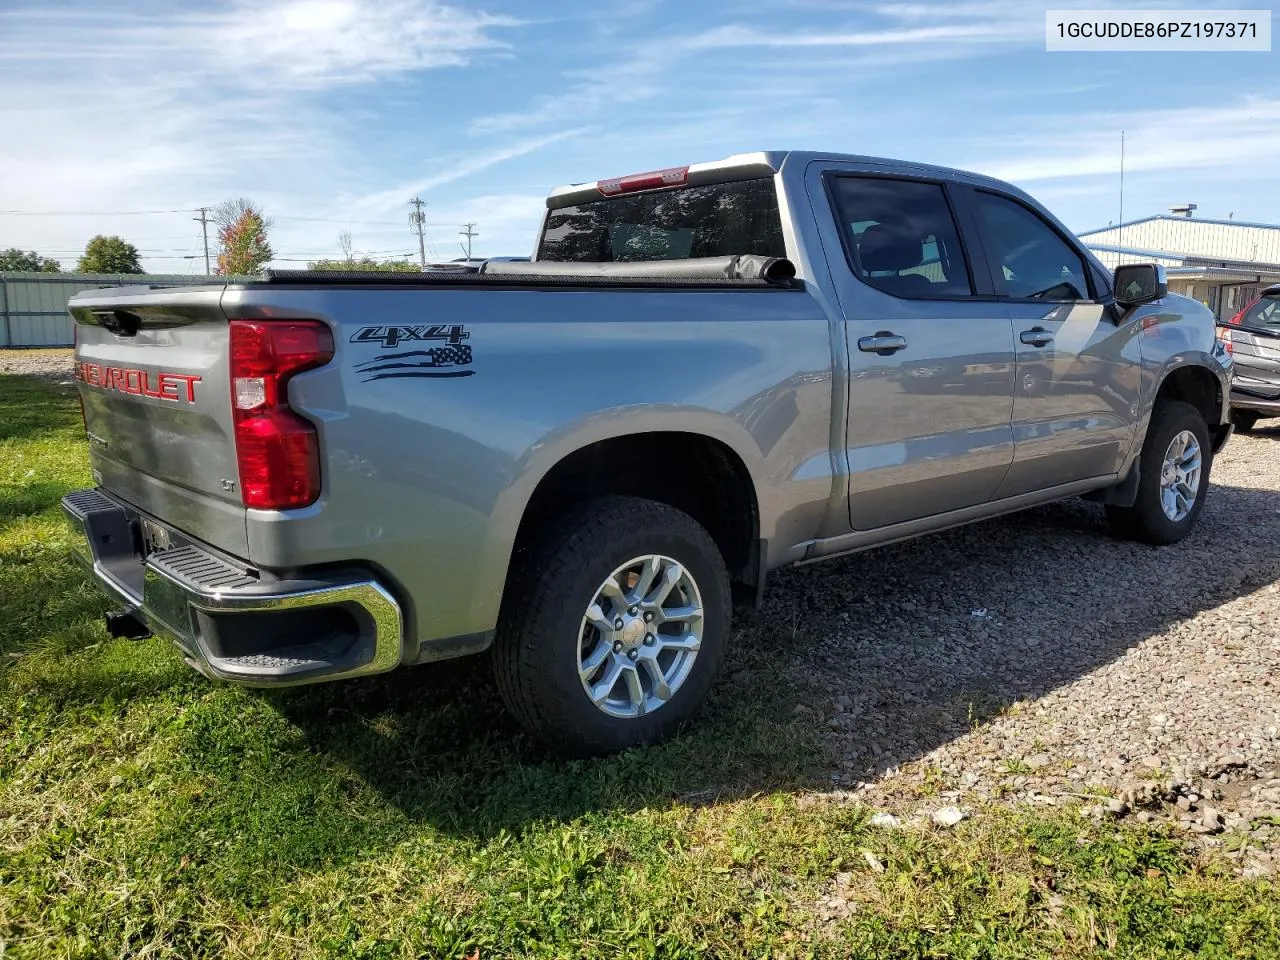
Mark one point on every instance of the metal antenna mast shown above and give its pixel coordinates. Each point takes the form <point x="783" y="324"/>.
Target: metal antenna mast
<point x="417" y="220"/>
<point x="1120" y="228"/>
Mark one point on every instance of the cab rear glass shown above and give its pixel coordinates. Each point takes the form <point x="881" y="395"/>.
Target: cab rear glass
<point x="711" y="220"/>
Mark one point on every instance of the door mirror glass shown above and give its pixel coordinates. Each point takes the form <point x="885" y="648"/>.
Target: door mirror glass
<point x="1137" y="283"/>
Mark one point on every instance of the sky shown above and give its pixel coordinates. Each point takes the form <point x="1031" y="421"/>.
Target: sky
<point x="124" y="117"/>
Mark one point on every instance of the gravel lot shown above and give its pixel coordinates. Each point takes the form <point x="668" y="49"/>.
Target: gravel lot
<point x="54" y="364"/>
<point x="1035" y="660"/>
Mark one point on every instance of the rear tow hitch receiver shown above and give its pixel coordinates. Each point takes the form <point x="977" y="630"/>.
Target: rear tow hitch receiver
<point x="126" y="624"/>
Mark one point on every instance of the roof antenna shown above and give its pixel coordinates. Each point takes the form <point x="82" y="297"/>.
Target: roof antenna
<point x="1120" y="229"/>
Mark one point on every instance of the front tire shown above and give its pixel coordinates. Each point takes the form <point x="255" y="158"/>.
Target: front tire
<point x="615" y="625"/>
<point x="1174" y="478"/>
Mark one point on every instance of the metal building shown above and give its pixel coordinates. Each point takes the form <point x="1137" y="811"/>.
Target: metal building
<point x="33" y="306"/>
<point x="1221" y="263"/>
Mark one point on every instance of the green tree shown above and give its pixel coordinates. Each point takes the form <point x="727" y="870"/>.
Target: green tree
<point x="243" y="246"/>
<point x="27" y="261"/>
<point x="365" y="263"/>
<point x="109" y="255"/>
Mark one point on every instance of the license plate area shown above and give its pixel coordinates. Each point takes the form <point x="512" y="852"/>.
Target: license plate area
<point x="153" y="538"/>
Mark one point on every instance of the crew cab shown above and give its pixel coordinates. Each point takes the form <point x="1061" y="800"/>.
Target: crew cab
<point x="581" y="463"/>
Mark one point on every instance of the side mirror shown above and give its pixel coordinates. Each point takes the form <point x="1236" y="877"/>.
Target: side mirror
<point x="1138" y="283"/>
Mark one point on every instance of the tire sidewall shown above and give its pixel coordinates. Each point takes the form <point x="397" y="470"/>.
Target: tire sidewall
<point x="551" y="651"/>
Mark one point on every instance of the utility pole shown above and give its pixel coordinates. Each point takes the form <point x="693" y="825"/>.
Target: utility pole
<point x="417" y="219"/>
<point x="203" y="220"/>
<point x="469" y="233"/>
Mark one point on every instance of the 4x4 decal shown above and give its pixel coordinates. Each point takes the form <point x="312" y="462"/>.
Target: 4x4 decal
<point x="449" y="359"/>
<point x="391" y="336"/>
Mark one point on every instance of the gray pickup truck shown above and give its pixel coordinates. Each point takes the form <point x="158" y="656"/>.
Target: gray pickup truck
<point x="581" y="463"/>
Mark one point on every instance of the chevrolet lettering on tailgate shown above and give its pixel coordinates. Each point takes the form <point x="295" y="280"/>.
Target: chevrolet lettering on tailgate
<point x="177" y="387"/>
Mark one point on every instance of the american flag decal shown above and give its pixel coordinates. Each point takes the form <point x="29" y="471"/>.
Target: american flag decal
<point x="450" y="356"/>
<point x="441" y="361"/>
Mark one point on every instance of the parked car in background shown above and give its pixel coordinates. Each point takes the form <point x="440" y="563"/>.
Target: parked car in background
<point x="1253" y="337"/>
<point x="581" y="462"/>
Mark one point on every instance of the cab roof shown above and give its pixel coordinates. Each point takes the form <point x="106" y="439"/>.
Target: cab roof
<point x="746" y="166"/>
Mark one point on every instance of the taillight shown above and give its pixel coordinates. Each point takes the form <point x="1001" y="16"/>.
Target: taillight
<point x="654" y="180"/>
<point x="1224" y="338"/>
<point x="278" y="452"/>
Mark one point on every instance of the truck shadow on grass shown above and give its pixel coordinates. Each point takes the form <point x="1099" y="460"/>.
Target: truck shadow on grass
<point x="924" y="638"/>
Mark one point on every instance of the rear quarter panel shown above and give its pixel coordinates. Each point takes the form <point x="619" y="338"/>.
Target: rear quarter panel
<point x="426" y="476"/>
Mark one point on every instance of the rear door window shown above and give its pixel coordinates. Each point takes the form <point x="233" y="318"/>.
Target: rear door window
<point x="902" y="237"/>
<point x="712" y="220"/>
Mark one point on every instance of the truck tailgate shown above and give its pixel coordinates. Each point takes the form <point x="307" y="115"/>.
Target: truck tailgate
<point x="153" y="375"/>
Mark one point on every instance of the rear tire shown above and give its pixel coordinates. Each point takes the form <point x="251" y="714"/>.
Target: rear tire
<point x="1244" y="420"/>
<point x="1169" y="498"/>
<point x="558" y="644"/>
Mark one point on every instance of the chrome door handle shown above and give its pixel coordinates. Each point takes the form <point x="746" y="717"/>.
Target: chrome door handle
<point x="1036" y="336"/>
<point x="883" y="343"/>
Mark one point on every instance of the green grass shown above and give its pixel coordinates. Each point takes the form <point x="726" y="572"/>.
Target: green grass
<point x="147" y="812"/>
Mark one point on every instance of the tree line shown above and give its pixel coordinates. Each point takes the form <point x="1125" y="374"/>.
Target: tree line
<point x="243" y="248"/>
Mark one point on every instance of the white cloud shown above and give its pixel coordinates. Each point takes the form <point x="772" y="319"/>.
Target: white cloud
<point x="460" y="167"/>
<point x="323" y="42"/>
<point x="737" y="36"/>
<point x="671" y="65"/>
<point x="266" y="43"/>
<point x="175" y="109"/>
<point x="1246" y="134"/>
<point x="636" y="75"/>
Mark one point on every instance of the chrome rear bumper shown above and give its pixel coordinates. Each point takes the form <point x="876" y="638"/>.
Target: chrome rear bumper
<point x="231" y="623"/>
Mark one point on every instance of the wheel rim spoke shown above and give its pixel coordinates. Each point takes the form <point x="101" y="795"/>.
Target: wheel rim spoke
<point x="613" y="591"/>
<point x="648" y="574"/>
<point x="635" y="690"/>
<point x="597" y="619"/>
<point x="687" y="643"/>
<point x="600" y="691"/>
<point x="598" y="656"/>
<point x="683" y="614"/>
<point x="657" y="680"/>
<point x="670" y="577"/>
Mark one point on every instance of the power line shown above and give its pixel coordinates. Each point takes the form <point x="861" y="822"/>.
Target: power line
<point x="92" y="213"/>
<point x="374" y="223"/>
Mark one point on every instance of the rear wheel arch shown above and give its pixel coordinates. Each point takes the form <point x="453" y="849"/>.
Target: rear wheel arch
<point x="700" y="475"/>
